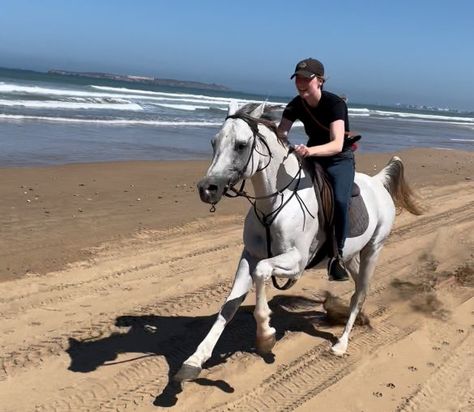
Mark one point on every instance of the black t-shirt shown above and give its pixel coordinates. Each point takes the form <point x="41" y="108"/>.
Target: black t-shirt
<point x="329" y="109"/>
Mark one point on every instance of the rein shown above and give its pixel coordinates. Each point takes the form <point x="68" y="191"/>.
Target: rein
<point x="266" y="219"/>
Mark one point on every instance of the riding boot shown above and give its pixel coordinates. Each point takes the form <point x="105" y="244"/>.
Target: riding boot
<point x="337" y="270"/>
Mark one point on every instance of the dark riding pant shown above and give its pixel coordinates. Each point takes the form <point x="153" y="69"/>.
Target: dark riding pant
<point x="340" y="170"/>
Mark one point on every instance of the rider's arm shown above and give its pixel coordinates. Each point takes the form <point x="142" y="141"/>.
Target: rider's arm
<point x="336" y="134"/>
<point x="284" y="128"/>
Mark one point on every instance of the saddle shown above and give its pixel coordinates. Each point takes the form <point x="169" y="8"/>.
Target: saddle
<point x="358" y="216"/>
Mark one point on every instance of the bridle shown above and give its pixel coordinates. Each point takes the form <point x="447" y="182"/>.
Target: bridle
<point x="252" y="123"/>
<point x="265" y="219"/>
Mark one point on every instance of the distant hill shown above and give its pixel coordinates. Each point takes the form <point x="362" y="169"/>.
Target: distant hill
<point x="141" y="79"/>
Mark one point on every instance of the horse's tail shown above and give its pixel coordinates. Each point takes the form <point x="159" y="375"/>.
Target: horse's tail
<point x="393" y="178"/>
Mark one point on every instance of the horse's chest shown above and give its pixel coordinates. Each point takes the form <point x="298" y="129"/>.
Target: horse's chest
<point x="263" y="242"/>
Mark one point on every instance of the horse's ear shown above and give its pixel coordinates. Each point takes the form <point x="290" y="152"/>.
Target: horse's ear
<point x="258" y="111"/>
<point x="233" y="107"/>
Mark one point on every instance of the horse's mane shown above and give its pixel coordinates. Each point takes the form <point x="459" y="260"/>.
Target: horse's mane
<point x="268" y="118"/>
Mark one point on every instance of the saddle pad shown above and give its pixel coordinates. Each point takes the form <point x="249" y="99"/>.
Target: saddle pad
<point x="358" y="217"/>
<point x="355" y="190"/>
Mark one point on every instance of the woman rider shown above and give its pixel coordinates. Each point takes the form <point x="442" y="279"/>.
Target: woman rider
<point x="325" y="119"/>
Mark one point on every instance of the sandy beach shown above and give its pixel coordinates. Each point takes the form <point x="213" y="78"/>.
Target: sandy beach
<point x="91" y="253"/>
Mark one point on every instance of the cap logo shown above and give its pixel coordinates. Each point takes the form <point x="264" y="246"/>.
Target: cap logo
<point x="303" y="65"/>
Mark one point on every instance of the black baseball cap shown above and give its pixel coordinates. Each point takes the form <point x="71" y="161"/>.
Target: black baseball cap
<point x="309" y="68"/>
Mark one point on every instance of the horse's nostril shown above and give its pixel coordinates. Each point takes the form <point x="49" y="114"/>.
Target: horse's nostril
<point x="212" y="188"/>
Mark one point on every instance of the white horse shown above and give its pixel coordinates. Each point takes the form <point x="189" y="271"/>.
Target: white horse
<point x="281" y="232"/>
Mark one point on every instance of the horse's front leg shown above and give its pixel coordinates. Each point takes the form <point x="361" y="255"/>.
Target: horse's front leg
<point x="287" y="264"/>
<point x="242" y="283"/>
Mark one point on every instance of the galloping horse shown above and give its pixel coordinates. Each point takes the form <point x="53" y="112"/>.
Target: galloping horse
<point x="282" y="233"/>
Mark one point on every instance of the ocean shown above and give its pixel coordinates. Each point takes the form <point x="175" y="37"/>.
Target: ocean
<point x="50" y="119"/>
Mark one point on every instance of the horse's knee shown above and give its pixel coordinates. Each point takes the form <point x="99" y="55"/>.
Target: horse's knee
<point x="262" y="271"/>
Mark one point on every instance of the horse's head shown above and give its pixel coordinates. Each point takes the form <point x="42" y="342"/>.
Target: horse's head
<point x="234" y="155"/>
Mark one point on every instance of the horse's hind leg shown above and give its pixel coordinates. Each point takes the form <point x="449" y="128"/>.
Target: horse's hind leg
<point x="368" y="260"/>
<point x="353" y="265"/>
<point x="242" y="283"/>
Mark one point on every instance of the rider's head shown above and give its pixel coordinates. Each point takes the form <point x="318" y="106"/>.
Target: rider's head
<point x="309" y="77"/>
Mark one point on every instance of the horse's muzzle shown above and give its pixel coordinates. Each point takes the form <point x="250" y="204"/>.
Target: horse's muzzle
<point x="211" y="189"/>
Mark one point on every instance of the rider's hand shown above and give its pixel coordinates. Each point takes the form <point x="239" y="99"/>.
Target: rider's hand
<point x="301" y="150"/>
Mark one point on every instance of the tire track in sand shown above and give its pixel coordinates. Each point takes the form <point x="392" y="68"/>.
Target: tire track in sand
<point x="179" y="303"/>
<point x="137" y="382"/>
<point x="292" y="385"/>
<point x="208" y="295"/>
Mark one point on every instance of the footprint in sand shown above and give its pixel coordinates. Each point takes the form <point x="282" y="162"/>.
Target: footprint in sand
<point x="390" y="385"/>
<point x="377" y="394"/>
<point x="412" y="368"/>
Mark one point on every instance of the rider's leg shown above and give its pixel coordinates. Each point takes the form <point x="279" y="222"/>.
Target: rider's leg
<point x="341" y="170"/>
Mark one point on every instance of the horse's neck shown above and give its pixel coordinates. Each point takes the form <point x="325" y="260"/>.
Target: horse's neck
<point x="280" y="171"/>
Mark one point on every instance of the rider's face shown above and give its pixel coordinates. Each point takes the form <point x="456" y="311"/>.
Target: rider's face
<point x="306" y="87"/>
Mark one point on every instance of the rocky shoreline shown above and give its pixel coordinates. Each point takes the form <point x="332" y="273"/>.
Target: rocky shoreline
<point x="141" y="79"/>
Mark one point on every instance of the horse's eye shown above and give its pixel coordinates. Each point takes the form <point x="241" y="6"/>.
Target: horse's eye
<point x="240" y="146"/>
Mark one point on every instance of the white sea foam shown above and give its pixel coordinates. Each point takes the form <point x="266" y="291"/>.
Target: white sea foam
<point x="55" y="104"/>
<point x="116" y="98"/>
<point x="114" y="92"/>
<point x="469" y="125"/>
<point x="462" y="140"/>
<point x="113" y="122"/>
<point x="358" y="112"/>
<point x="153" y="93"/>
<point x="223" y="100"/>
<point x="45" y="91"/>
<point x="187" y="107"/>
<point x="365" y="112"/>
<point x="422" y="116"/>
<point x="170" y="99"/>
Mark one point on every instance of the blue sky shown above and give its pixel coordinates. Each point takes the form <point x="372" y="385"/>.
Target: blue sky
<point x="418" y="52"/>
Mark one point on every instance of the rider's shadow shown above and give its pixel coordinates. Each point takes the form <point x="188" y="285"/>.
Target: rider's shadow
<point x="177" y="337"/>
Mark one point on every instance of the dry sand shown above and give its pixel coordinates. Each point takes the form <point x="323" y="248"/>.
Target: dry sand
<point x="91" y="254"/>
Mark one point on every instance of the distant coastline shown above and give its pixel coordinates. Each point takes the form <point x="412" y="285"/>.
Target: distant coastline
<point x="141" y="79"/>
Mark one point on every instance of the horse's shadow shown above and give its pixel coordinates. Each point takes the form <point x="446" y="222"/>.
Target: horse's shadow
<point x="176" y="338"/>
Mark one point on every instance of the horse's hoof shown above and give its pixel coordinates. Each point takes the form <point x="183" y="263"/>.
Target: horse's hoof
<point x="187" y="373"/>
<point x="338" y="349"/>
<point x="265" y="345"/>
